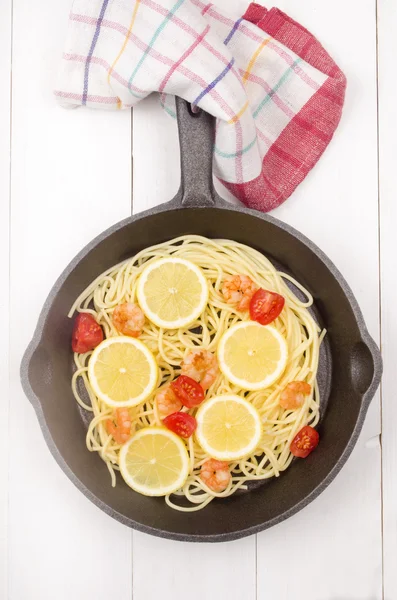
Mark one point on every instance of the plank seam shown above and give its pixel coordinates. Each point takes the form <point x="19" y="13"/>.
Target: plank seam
<point x="132" y="159"/>
<point x="256" y="566"/>
<point x="380" y="293"/>
<point x="132" y="212"/>
<point x="7" y="557"/>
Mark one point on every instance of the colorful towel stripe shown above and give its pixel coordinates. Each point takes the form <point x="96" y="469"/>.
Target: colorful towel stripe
<point x="276" y="93"/>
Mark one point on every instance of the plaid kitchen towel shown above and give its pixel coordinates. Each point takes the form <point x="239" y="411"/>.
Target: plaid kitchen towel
<point x="276" y="93"/>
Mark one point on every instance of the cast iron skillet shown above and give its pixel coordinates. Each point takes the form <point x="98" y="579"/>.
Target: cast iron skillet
<point x="356" y="363"/>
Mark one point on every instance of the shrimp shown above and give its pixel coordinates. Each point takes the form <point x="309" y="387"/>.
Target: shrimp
<point x="167" y="402"/>
<point x="120" y="425"/>
<point x="215" y="474"/>
<point x="293" y="396"/>
<point x="239" y="289"/>
<point x="202" y="366"/>
<point x="129" y="319"/>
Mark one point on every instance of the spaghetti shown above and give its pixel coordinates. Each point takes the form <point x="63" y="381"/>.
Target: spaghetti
<point x="216" y="259"/>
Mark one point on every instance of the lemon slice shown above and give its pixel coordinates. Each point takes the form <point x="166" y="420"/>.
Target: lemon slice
<point x="228" y="427"/>
<point x="154" y="462"/>
<point x="172" y="292"/>
<point x="122" y="371"/>
<point x="252" y="356"/>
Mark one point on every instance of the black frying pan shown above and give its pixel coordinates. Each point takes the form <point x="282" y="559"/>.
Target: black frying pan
<point x="355" y="374"/>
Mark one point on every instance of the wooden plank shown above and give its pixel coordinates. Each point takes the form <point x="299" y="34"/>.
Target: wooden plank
<point x="5" y="119"/>
<point x="156" y="179"/>
<point x="156" y="175"/>
<point x="71" y="178"/>
<point x="196" y="571"/>
<point x="156" y="147"/>
<point x="387" y="23"/>
<point x="333" y="548"/>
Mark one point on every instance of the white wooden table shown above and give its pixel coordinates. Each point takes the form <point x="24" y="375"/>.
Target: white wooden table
<point x="66" y="175"/>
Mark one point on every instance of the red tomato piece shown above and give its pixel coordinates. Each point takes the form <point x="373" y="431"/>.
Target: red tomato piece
<point x="181" y="423"/>
<point x="266" y="306"/>
<point x="188" y="391"/>
<point x="87" y="334"/>
<point x="305" y="441"/>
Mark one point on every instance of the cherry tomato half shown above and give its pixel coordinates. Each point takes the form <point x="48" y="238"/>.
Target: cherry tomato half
<point x="87" y="334"/>
<point x="181" y="423"/>
<point x="266" y="306"/>
<point x="305" y="441"/>
<point x="188" y="391"/>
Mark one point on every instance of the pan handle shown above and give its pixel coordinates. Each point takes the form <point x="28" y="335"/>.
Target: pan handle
<point x="196" y="137"/>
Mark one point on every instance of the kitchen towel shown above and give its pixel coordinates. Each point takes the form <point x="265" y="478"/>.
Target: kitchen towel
<point x="276" y="93"/>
